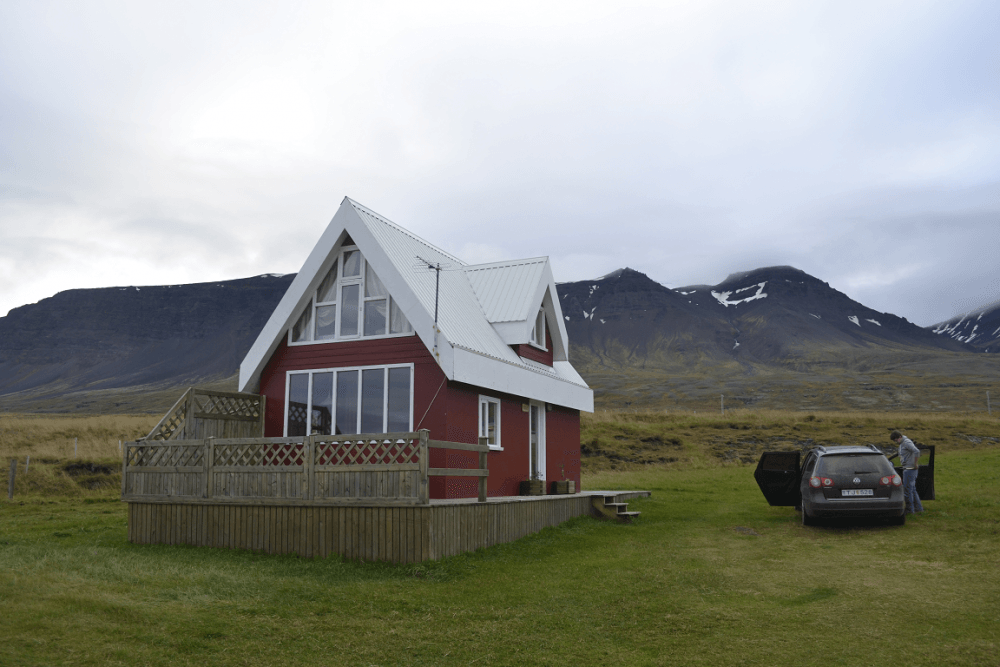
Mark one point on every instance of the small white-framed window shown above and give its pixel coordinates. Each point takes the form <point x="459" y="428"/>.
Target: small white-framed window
<point x="363" y="399"/>
<point x="538" y="331"/>
<point x="350" y="302"/>
<point x="489" y="421"/>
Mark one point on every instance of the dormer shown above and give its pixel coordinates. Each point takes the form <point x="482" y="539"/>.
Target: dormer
<point x="517" y="299"/>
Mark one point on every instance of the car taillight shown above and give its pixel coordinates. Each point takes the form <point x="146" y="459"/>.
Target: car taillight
<point x="897" y="480"/>
<point x="817" y="482"/>
<point x="894" y="480"/>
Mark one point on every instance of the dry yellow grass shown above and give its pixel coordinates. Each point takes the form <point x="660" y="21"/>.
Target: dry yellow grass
<point x="52" y="436"/>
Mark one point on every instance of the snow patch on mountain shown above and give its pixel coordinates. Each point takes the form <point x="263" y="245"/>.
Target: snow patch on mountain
<point x="723" y="297"/>
<point x="854" y="318"/>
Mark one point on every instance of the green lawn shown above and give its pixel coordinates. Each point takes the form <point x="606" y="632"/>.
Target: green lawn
<point x="708" y="575"/>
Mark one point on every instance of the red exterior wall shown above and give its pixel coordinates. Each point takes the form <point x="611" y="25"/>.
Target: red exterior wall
<point x="449" y="410"/>
<point x="531" y="352"/>
<point x="562" y="445"/>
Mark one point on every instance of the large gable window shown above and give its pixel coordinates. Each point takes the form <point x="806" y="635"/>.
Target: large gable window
<point x="374" y="399"/>
<point x="351" y="302"/>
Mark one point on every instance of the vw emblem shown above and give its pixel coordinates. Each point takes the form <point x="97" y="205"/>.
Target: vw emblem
<point x="857" y="480"/>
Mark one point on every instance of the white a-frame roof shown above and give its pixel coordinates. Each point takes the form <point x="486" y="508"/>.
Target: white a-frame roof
<point x="483" y="309"/>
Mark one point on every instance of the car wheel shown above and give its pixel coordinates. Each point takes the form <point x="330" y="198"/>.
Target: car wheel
<point x="806" y="519"/>
<point x="899" y="520"/>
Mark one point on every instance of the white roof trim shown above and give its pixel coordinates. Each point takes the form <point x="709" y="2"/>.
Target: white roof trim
<point x="470" y="349"/>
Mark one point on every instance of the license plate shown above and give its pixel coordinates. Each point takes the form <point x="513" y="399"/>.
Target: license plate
<point x="857" y="492"/>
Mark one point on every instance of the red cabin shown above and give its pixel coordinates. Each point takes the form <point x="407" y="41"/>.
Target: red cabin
<point x="382" y="332"/>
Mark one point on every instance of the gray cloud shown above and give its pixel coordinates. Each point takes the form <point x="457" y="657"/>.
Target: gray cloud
<point x="191" y="142"/>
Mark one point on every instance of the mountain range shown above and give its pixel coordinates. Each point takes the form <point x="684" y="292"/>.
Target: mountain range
<point x="763" y="337"/>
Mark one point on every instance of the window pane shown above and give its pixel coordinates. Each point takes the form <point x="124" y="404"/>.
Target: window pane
<point x="373" y="286"/>
<point x="375" y="317"/>
<point x="349" y="310"/>
<point x="347" y="402"/>
<point x="326" y="321"/>
<point x="298" y="399"/>
<point x="352" y="263"/>
<point x="398" y="323"/>
<point x="399" y="400"/>
<point x="301" y="329"/>
<point x="372" y="400"/>
<point x="321" y="419"/>
<point x="328" y="288"/>
<point x="491" y="422"/>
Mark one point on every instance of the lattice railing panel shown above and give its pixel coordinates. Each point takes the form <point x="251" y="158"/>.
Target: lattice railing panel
<point x="260" y="454"/>
<point x="172" y="423"/>
<point x="226" y="405"/>
<point x="367" y="452"/>
<point x="165" y="455"/>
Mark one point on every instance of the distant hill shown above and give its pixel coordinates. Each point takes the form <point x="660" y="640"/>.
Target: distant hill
<point x="979" y="329"/>
<point x="770" y="315"/>
<point x="114" y="338"/>
<point x="775" y="336"/>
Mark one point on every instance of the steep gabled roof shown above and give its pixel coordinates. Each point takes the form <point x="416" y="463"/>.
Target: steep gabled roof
<point x="482" y="309"/>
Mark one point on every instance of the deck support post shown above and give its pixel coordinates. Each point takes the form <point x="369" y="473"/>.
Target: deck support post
<point x="482" y="466"/>
<point x="425" y="492"/>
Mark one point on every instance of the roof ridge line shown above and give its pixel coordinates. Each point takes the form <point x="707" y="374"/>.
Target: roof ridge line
<point x="403" y="230"/>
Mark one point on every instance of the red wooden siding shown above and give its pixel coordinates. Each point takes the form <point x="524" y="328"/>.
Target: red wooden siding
<point x="562" y="445"/>
<point x="533" y="353"/>
<point x="449" y="410"/>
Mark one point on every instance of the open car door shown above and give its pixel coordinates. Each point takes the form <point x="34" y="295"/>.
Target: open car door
<point x="925" y="476"/>
<point x="777" y="475"/>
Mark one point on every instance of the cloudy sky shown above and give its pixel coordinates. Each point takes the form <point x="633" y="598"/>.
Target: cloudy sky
<point x="162" y="143"/>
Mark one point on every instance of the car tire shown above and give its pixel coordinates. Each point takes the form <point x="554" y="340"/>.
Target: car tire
<point x="899" y="520"/>
<point x="806" y="519"/>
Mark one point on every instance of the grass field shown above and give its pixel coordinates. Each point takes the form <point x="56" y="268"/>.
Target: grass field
<point x="709" y="574"/>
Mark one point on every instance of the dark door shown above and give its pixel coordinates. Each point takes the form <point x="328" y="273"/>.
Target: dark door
<point x="777" y="475"/>
<point x="925" y="476"/>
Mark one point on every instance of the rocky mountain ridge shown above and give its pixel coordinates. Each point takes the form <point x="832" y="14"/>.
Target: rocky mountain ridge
<point x="62" y="351"/>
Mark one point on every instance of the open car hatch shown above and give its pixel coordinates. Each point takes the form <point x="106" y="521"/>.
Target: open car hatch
<point x="777" y="475"/>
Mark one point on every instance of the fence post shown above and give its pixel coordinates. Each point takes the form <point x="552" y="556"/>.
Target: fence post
<point x="209" y="466"/>
<point x="484" y="442"/>
<point x="425" y="495"/>
<point x="307" y="468"/>
<point x="10" y="484"/>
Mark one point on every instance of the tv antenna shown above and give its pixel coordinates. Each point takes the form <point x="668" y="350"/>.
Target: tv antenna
<point x="437" y="267"/>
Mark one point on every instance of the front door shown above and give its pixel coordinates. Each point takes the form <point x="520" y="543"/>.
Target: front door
<point x="536" y="439"/>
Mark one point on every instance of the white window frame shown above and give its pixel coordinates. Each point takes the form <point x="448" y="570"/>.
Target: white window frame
<point x="385" y="394"/>
<point x="538" y="338"/>
<point x="484" y="403"/>
<point x="340" y="282"/>
<point x="541" y="437"/>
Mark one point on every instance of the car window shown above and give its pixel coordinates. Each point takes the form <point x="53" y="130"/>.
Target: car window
<point x="854" y="464"/>
<point x="809" y="464"/>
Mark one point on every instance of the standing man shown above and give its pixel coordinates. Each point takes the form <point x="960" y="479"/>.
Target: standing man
<point x="909" y="457"/>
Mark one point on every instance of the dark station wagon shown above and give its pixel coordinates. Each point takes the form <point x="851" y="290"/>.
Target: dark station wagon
<point x="840" y="481"/>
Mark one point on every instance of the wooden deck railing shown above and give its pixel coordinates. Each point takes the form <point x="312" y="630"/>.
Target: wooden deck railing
<point x="380" y="469"/>
<point x="203" y="413"/>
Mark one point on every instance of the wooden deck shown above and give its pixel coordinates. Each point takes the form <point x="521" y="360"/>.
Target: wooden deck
<point x="395" y="534"/>
<point x="205" y="477"/>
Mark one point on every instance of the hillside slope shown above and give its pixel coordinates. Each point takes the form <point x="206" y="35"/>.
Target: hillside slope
<point x="127" y="337"/>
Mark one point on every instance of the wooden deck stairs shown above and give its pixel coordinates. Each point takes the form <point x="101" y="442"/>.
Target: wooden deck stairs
<point x="609" y="506"/>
